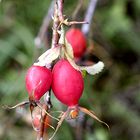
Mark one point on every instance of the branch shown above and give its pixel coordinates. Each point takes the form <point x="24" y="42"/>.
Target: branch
<point x="42" y="125"/>
<point x="88" y="16"/>
<point x="58" y="18"/>
<point x="55" y="36"/>
<point x="60" y="9"/>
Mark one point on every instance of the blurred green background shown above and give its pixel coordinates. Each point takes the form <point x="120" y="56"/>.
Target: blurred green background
<point x="113" y="94"/>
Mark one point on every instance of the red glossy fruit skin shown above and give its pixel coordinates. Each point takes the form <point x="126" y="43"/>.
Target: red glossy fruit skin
<point x="77" y="40"/>
<point x="67" y="83"/>
<point x="38" y="81"/>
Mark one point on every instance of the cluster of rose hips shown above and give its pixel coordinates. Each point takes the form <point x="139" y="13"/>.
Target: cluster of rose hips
<point x="64" y="77"/>
<point x="57" y="71"/>
<point x="40" y="79"/>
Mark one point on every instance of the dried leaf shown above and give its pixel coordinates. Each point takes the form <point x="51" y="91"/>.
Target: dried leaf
<point x="59" y="124"/>
<point x="40" y="106"/>
<point x="92" y="114"/>
<point x="62" y="35"/>
<point x="69" y="49"/>
<point x="48" y="57"/>
<point x="71" y="61"/>
<point x="17" y="105"/>
<point x="67" y="46"/>
<point x="94" y="69"/>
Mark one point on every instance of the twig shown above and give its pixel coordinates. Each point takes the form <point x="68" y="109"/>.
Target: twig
<point x="60" y="9"/>
<point x="75" y="22"/>
<point x="88" y="16"/>
<point x="55" y="37"/>
<point x="44" y="27"/>
<point x="42" y="125"/>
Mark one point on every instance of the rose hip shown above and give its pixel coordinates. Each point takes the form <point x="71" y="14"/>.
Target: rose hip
<point x="67" y="83"/>
<point x="77" y="40"/>
<point x="38" y="81"/>
<point x="68" y="86"/>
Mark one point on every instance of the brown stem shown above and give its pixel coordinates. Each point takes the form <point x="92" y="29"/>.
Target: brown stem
<point x="60" y="9"/>
<point x="42" y="125"/>
<point x="55" y="37"/>
<point x="58" y="18"/>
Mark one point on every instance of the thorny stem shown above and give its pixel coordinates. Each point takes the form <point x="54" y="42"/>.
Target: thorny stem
<point x="58" y="18"/>
<point x="46" y="21"/>
<point x="55" y="37"/>
<point x="60" y="9"/>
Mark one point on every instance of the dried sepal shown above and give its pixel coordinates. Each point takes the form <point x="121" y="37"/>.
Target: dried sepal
<point x="66" y="47"/>
<point x="32" y="118"/>
<point x="92" y="114"/>
<point x="59" y="124"/>
<point x="69" y="49"/>
<point x="67" y="52"/>
<point x="48" y="57"/>
<point x="17" y="105"/>
<point x="40" y="106"/>
<point x="72" y="62"/>
<point x="69" y="23"/>
<point x="94" y="69"/>
<point x="62" y="35"/>
<point x="51" y="126"/>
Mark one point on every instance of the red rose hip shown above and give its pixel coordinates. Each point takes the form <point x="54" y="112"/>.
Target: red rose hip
<point x="77" y="40"/>
<point x="38" y="81"/>
<point x="68" y="86"/>
<point x="67" y="83"/>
